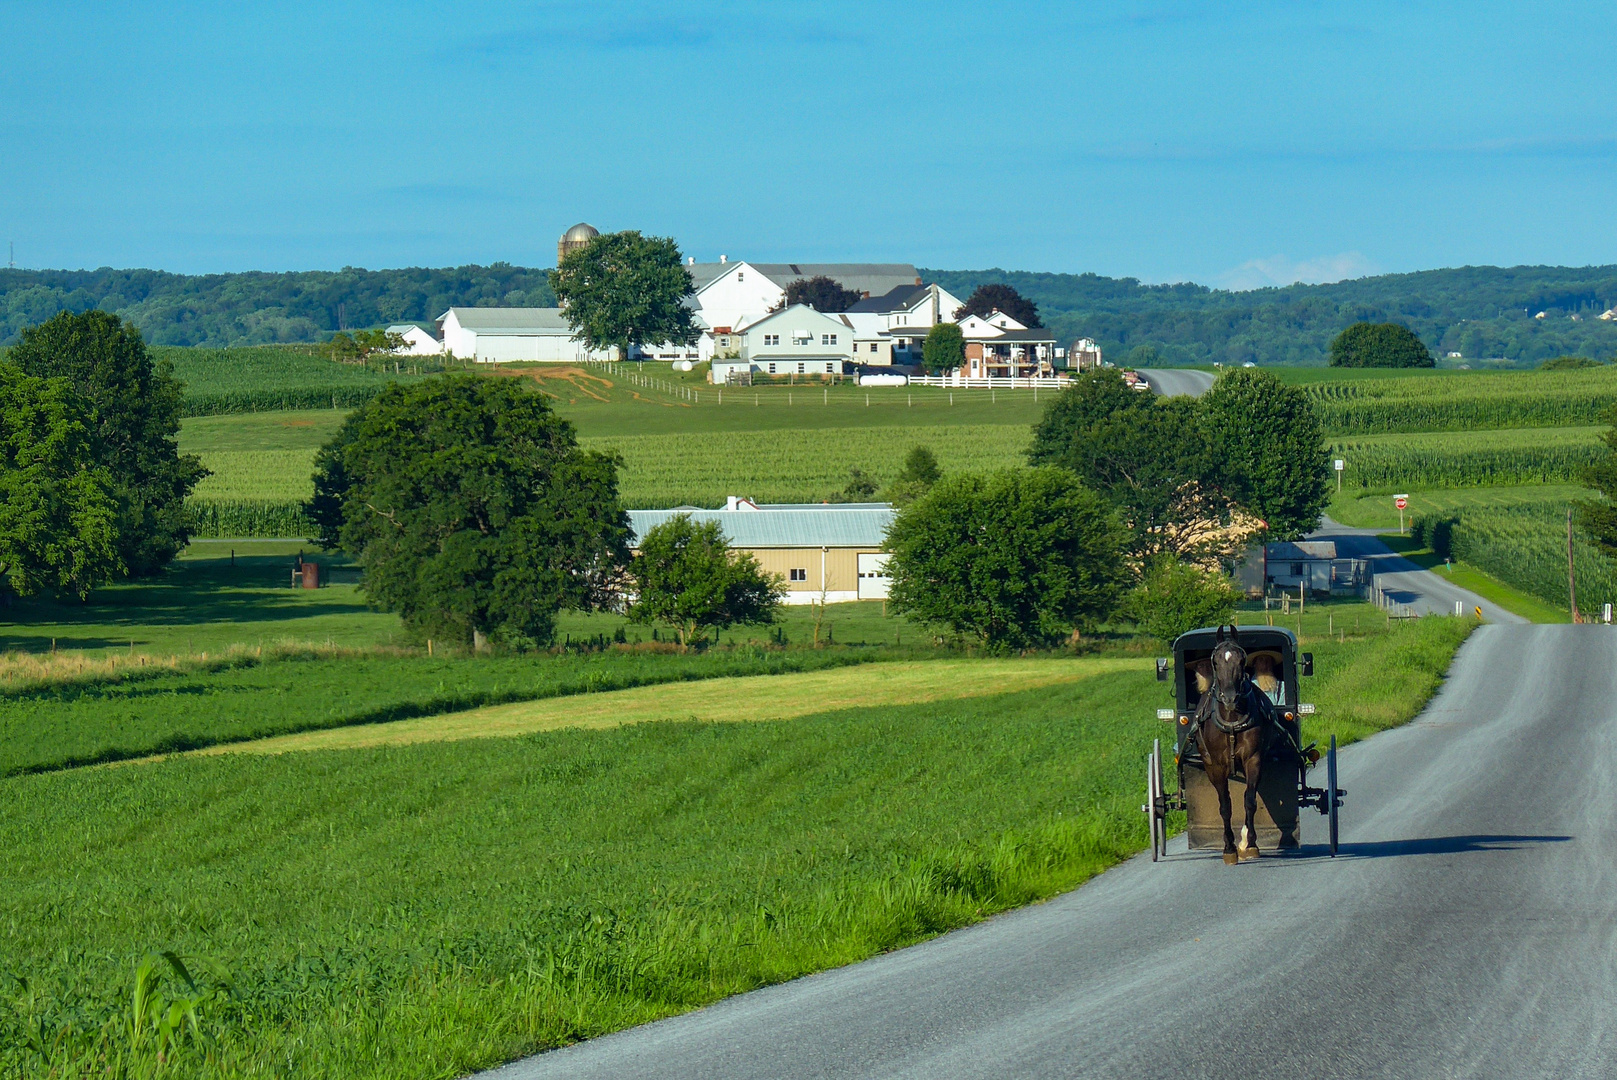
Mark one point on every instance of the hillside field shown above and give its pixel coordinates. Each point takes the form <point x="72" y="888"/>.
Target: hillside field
<point x="428" y="909"/>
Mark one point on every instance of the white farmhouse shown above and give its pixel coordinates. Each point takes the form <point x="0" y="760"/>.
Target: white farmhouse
<point x="418" y="341"/>
<point x="797" y="341"/>
<point x="735" y="294"/>
<point x="494" y="335"/>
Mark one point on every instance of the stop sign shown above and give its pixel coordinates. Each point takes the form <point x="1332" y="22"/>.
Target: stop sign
<point x="1400" y="502"/>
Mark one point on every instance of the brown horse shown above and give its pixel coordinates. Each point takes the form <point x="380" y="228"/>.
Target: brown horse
<point x="1233" y="724"/>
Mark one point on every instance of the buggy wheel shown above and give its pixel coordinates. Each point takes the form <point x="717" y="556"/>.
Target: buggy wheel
<point x="1153" y="801"/>
<point x="1331" y="803"/>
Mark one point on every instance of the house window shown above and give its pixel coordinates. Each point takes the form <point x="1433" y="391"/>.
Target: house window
<point x="771" y="339"/>
<point x="799" y="575"/>
<point x="872" y="346"/>
<point x="741" y="275"/>
<point x="800" y="337"/>
<point x="772" y="369"/>
<point x="828" y="339"/>
<point x="800" y="368"/>
<point x="724" y="341"/>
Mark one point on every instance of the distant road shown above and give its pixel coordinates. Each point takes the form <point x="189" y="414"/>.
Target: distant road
<point x="1171" y="382"/>
<point x="1419" y="592"/>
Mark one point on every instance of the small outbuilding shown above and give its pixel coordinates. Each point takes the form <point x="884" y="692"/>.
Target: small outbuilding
<point x="820" y="550"/>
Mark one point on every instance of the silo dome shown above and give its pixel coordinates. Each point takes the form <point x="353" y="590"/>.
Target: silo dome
<point x="580" y="234"/>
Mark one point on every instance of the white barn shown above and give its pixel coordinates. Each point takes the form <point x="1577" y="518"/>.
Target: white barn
<point x="417" y="341"/>
<point x="496" y="335"/>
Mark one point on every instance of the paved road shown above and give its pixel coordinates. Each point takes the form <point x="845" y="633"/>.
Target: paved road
<point x="1170" y="382"/>
<point x="1468" y="929"/>
<point x="1420" y="592"/>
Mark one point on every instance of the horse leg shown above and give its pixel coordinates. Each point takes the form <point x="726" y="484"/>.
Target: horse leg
<point x="1220" y="778"/>
<point x="1249" y="831"/>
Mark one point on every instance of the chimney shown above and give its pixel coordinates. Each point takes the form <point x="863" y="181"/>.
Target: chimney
<point x="690" y="260"/>
<point x="724" y="258"/>
<point x="730" y="501"/>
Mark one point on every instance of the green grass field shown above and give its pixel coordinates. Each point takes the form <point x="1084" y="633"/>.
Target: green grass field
<point x="425" y="910"/>
<point x="271" y="456"/>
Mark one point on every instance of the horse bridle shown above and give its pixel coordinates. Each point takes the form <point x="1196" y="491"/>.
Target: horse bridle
<point x="1240" y="692"/>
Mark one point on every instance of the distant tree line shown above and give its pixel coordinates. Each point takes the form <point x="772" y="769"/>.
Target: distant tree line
<point x="1480" y="312"/>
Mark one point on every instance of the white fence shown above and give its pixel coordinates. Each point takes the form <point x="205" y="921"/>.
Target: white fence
<point x="1054" y="382"/>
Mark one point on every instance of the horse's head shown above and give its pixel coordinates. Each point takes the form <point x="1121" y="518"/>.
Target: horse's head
<point x="1229" y="661"/>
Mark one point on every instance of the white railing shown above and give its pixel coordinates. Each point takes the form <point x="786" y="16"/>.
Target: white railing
<point x="965" y="383"/>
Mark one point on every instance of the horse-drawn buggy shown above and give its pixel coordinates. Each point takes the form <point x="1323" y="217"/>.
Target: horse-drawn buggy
<point x="1242" y="765"/>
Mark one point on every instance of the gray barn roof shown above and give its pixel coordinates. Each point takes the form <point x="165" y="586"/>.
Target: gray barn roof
<point x="512" y="320"/>
<point x="1301" y="550"/>
<point x="877" y="279"/>
<point x="861" y="525"/>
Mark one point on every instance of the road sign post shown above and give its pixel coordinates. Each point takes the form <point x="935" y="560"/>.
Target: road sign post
<point x="1338" y="464"/>
<point x="1400" y="501"/>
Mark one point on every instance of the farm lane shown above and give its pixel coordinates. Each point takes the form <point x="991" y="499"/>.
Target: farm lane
<point x="1423" y="592"/>
<point x="1467" y="929"/>
<point x="1171" y="382"/>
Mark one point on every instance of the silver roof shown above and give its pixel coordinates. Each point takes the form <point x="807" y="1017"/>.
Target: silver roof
<point x="517" y="320"/>
<point x="842" y="525"/>
<point x="877" y="279"/>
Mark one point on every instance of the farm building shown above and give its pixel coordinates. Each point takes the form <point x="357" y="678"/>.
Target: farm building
<point x="818" y="549"/>
<point x="418" y="340"/>
<point x="493" y="335"/>
<point x="1314" y="565"/>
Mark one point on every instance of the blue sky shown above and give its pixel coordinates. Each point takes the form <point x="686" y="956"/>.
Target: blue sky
<point x="1234" y="144"/>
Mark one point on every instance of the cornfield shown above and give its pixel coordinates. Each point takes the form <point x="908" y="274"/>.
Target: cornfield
<point x="226" y="381"/>
<point x="1525" y="547"/>
<point x="1503" y="400"/>
<point x="700" y="469"/>
<point x="1379" y="464"/>
<point x="214" y="518"/>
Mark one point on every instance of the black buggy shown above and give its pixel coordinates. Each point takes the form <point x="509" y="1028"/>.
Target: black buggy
<point x="1283" y="789"/>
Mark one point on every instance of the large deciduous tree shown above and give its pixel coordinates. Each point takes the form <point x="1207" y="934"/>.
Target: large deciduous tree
<point x="990" y="298"/>
<point x="133" y="421"/>
<point x="1264" y="445"/>
<point x="944" y="348"/>
<point x="1381" y="345"/>
<point x="623" y="289"/>
<point x="918" y="476"/>
<point x="820" y="293"/>
<point x="58" y="510"/>
<point x="473" y="511"/>
<point x="687" y="577"/>
<point x="1015" y="559"/>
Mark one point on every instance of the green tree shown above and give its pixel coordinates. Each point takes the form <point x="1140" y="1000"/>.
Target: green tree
<point x="1598" y="517"/>
<point x="1016" y="559"/>
<point x="861" y="486"/>
<point x="1072" y="414"/>
<point x="987" y="299"/>
<point x="134" y="410"/>
<point x="1569" y="363"/>
<point x="918" y="476"/>
<point x="1140" y="356"/>
<point x="473" y="511"/>
<point x="687" y="577"/>
<point x="1176" y="597"/>
<point x="1380" y="345"/>
<point x="1264" y="443"/>
<point x="820" y="293"/>
<point x="58" y="511"/>
<point x="1150" y="461"/>
<point x="944" y="348"/>
<point x="623" y="289"/>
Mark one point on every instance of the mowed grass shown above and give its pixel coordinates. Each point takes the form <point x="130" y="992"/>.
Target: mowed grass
<point x="426" y="910"/>
<point x="718" y="700"/>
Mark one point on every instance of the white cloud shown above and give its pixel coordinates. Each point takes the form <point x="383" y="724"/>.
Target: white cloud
<point x="1279" y="270"/>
